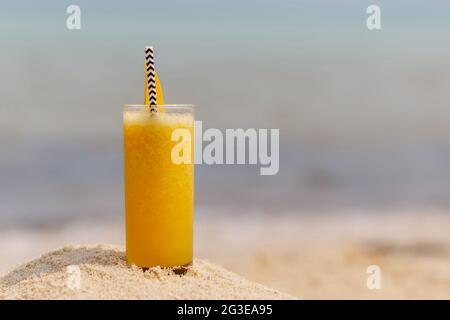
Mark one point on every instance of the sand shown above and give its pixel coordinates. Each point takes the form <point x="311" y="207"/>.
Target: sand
<point x="105" y="275"/>
<point x="321" y="256"/>
<point x="326" y="257"/>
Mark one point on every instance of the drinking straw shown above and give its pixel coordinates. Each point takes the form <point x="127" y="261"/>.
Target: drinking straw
<point x="151" y="78"/>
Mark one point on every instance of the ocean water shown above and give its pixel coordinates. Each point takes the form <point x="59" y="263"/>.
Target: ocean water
<point x="363" y="116"/>
<point x="55" y="182"/>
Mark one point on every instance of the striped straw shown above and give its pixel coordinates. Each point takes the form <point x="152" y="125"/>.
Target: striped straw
<point x="151" y="78"/>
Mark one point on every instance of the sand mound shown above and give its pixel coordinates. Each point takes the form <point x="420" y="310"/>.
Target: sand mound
<point x="105" y="275"/>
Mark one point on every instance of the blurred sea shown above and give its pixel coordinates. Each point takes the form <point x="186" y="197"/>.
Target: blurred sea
<point x="363" y="116"/>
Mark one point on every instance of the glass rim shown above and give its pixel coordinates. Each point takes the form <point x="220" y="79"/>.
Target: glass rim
<point x="163" y="106"/>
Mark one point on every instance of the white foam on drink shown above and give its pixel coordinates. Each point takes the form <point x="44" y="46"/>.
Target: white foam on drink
<point x="144" y="117"/>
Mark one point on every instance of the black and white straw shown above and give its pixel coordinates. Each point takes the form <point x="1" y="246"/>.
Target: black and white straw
<point x="151" y="78"/>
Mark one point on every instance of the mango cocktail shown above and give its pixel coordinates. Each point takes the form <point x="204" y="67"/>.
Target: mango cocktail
<point x="159" y="194"/>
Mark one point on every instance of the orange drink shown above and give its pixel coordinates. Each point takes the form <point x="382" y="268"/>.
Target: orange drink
<point x="159" y="193"/>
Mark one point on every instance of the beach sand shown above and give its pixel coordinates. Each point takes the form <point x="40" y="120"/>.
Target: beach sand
<point x="313" y="257"/>
<point x="327" y="257"/>
<point x="104" y="274"/>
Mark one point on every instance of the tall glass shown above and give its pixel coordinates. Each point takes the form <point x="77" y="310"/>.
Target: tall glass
<point x="159" y="190"/>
